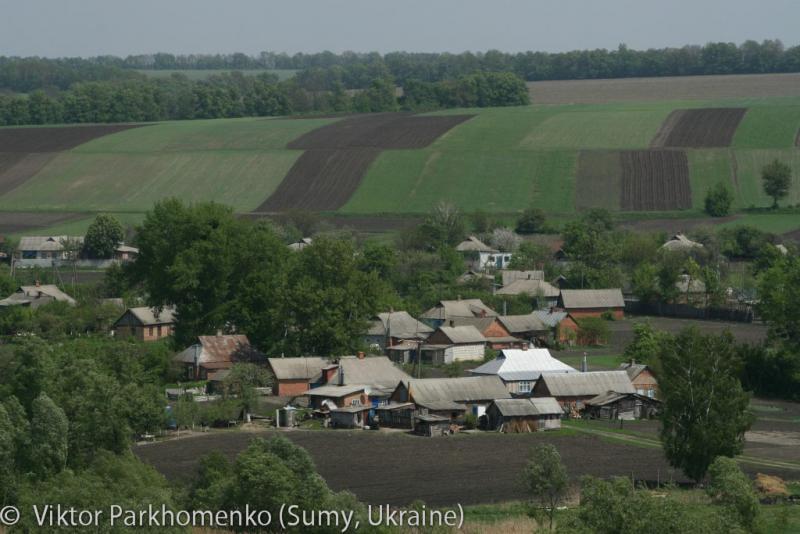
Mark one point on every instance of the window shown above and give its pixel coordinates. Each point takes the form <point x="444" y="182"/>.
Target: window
<point x="525" y="386"/>
<point x="159" y="331"/>
<point x="149" y="330"/>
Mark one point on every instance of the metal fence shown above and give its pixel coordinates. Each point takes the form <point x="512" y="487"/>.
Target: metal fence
<point x="741" y="314"/>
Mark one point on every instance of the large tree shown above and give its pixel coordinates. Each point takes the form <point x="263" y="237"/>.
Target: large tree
<point x="777" y="178"/>
<point x="103" y="237"/>
<point x="779" y="292"/>
<point x="545" y="479"/>
<point x="705" y="409"/>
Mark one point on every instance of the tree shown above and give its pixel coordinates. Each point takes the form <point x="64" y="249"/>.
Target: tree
<point x="103" y="237"/>
<point x="531" y="256"/>
<point x="705" y="410"/>
<point x="779" y="291"/>
<point x="731" y="488"/>
<point x="504" y="240"/>
<point x="545" y="479"/>
<point x="646" y="344"/>
<point x="777" y="178"/>
<point x="718" y="200"/>
<point x="531" y="221"/>
<point x="444" y="226"/>
<point x="48" y="437"/>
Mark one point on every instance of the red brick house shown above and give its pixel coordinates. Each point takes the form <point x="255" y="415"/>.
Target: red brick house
<point x="146" y="324"/>
<point x="294" y="376"/>
<point x="497" y="335"/>
<point x="592" y="302"/>
<point x="214" y="353"/>
<point x="642" y="378"/>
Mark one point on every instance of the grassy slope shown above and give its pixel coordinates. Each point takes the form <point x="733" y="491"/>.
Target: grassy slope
<point x="237" y="162"/>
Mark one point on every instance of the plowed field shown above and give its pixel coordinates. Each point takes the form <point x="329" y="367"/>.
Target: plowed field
<point x="655" y="180"/>
<point x="699" y="128"/>
<point x="54" y="139"/>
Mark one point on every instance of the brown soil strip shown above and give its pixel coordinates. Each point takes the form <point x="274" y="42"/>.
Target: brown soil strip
<point x="26" y="167"/>
<point x="598" y="180"/>
<point x="667" y="126"/>
<point x="700" y="128"/>
<point x="55" y="139"/>
<point x="23" y="221"/>
<point x="655" y="180"/>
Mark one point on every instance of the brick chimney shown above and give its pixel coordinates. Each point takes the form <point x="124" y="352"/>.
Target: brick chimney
<point x="361" y="355"/>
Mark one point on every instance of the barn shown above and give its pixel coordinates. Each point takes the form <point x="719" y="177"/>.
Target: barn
<point x="523" y="415"/>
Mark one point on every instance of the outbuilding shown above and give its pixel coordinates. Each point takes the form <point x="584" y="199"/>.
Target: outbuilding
<point x="626" y="406"/>
<point x="431" y="425"/>
<point x="572" y="390"/>
<point x="592" y="302"/>
<point x="523" y="415"/>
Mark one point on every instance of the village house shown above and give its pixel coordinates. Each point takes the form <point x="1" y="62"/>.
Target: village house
<point x="43" y="250"/>
<point x="527" y="327"/>
<point x="450" y="397"/>
<point x="125" y="253"/>
<point x="681" y="243"/>
<point x="295" y="376"/>
<point x="691" y="290"/>
<point x="543" y="292"/>
<point x="572" y="390"/>
<point x="496" y="334"/>
<point x="625" y="406"/>
<point x="446" y="310"/>
<point x="37" y="295"/>
<point x="642" y="378"/>
<point x="450" y="344"/>
<point x="563" y="326"/>
<point x="145" y="323"/>
<point x="507" y="276"/>
<point x="581" y="303"/>
<point x="520" y="369"/>
<point x="377" y="374"/>
<point x="479" y="256"/>
<point x="523" y="415"/>
<point x="213" y="353"/>
<point x="390" y="329"/>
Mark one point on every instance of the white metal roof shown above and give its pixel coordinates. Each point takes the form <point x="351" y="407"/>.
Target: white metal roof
<point x="518" y="364"/>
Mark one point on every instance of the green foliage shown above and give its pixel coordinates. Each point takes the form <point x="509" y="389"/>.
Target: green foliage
<point x="647" y="343"/>
<point x="470" y="421"/>
<point x="730" y="488"/>
<point x="47" y="455"/>
<point x="532" y="256"/>
<point x="718" y="200"/>
<point x="777" y="178"/>
<point x="593" y="331"/>
<point x="779" y="289"/>
<point x="545" y="480"/>
<point x="103" y="237"/>
<point x="531" y="221"/>
<point x="743" y="242"/>
<point x="705" y="410"/>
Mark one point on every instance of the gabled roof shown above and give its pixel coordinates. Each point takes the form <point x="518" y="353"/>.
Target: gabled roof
<point x="400" y="325"/>
<point x="148" y="316"/>
<point x="300" y="245"/>
<point x="471" y="275"/>
<point x="693" y="285"/>
<point x="528" y="407"/>
<point x="520" y="324"/>
<point x="450" y="309"/>
<point x="480" y="323"/>
<point x="533" y="288"/>
<point x="518" y="364"/>
<point x="444" y="393"/>
<point x="376" y="371"/>
<point x="46" y="243"/>
<point x="587" y="384"/>
<point x="304" y="368"/>
<point x="335" y="392"/>
<point x="680" y="242"/>
<point x="462" y="334"/>
<point x="610" y="397"/>
<point x="592" y="298"/>
<point x="633" y="369"/>
<point x="217" y="351"/>
<point x="550" y="318"/>
<point x="30" y="294"/>
<point x="511" y="276"/>
<point x="473" y="244"/>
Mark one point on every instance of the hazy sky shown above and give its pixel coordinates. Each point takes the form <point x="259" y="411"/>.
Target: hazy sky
<point x="122" y="27"/>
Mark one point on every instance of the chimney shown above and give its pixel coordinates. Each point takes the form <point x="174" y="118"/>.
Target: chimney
<point x="219" y="332"/>
<point x="584" y="364"/>
<point x="38" y="283"/>
<point x="452" y="323"/>
<point x="361" y="355"/>
<point x="341" y="375"/>
<point x="505" y="307"/>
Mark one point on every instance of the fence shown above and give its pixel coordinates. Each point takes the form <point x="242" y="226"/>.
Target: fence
<point x="741" y="314"/>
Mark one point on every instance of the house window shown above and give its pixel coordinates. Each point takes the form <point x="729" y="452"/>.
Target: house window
<point x="149" y="330"/>
<point x="525" y="386"/>
<point x="159" y="331"/>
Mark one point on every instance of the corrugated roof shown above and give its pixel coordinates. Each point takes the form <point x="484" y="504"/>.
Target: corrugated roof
<point x="473" y="244"/>
<point x="633" y="369"/>
<point x="681" y="242"/>
<point x="152" y="316"/>
<point x="462" y="334"/>
<point x="509" y="276"/>
<point x="46" y="243"/>
<point x="29" y="294"/>
<point x="305" y="368"/>
<point x="520" y="324"/>
<point x="533" y="288"/>
<point x="335" y="391"/>
<point x="480" y="323"/>
<point x="517" y="364"/>
<point x="451" y="309"/>
<point x="609" y="397"/>
<point x="399" y="324"/>
<point x="225" y="349"/>
<point x="442" y="393"/>
<point x="528" y="407"/>
<point x="373" y="370"/>
<point x="592" y="298"/>
<point x="550" y="318"/>
<point x="587" y="384"/>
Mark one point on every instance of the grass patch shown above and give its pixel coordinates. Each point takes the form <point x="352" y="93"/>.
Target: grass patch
<point x="605" y="361"/>
<point x="768" y="127"/>
<point x="776" y="223"/>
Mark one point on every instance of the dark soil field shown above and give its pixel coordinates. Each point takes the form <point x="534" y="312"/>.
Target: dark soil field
<point x="338" y="155"/>
<point x="23" y="167"/>
<point x="655" y="180"/>
<point x="21" y="221"/>
<point x="52" y="139"/>
<point x="598" y="180"/>
<point x="666" y="88"/>
<point x="699" y="128"/>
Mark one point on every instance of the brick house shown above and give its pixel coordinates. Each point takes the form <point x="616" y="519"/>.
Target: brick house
<point x="497" y="335"/>
<point x="294" y="376"/>
<point x="214" y="353"/>
<point x="145" y="323"/>
<point x="581" y="303"/>
<point x="642" y="378"/>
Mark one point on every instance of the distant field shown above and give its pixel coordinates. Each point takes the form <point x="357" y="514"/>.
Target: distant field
<point x="204" y="74"/>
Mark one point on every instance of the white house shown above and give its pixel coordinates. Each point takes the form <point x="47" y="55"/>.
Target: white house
<point x="450" y="344"/>
<point x="519" y="369"/>
<point x="481" y="256"/>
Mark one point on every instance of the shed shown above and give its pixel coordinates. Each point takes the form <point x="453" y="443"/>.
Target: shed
<point x="451" y="397"/>
<point x="626" y="406"/>
<point x="524" y="415"/>
<point x="431" y="425"/>
<point x="571" y="390"/>
<point x="356" y="416"/>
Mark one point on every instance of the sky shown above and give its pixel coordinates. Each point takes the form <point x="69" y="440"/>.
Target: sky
<point x="58" y="28"/>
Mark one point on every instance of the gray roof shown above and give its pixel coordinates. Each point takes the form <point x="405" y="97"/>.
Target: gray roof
<point x="304" y="368"/>
<point x="49" y="243"/>
<point x="693" y="285"/>
<point x="510" y="276"/>
<point x="523" y="364"/>
<point x="218" y="351"/>
<point x="533" y="288"/>
<point x="152" y="316"/>
<point x="300" y="245"/>
<point x="30" y="294"/>
<point x="462" y="334"/>
<point x="633" y="369"/>
<point x="373" y="370"/>
<point x="398" y="324"/>
<point x="681" y="242"/>
<point x="527" y="407"/>
<point x="451" y="309"/>
<point x="473" y="244"/>
<point x="480" y="323"/>
<point x="609" y="397"/>
<point x="550" y="318"/>
<point x="587" y="384"/>
<point x="592" y="298"/>
<point x="334" y="392"/>
<point x="443" y="393"/>
<point x="519" y="324"/>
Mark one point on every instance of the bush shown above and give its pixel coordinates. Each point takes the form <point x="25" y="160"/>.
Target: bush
<point x="719" y="200"/>
<point x="592" y="331"/>
<point x="531" y="221"/>
<point x="731" y="488"/>
<point x="470" y="421"/>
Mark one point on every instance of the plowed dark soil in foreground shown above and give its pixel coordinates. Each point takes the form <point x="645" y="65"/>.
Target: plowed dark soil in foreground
<point x="338" y="155"/>
<point x="54" y="139"/>
<point x="655" y="180"/>
<point x="699" y="128"/>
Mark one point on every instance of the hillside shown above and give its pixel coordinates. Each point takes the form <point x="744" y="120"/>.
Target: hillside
<point x="629" y="155"/>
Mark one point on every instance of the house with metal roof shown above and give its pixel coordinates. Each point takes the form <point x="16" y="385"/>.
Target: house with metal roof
<point x="451" y="397"/>
<point x="507" y="275"/>
<point x="450" y="344"/>
<point x="481" y="256"/>
<point x="681" y="243"/>
<point x="528" y="327"/>
<point x="592" y="302"/>
<point x="393" y="328"/>
<point x="455" y="309"/>
<point x="642" y="378"/>
<point x="37" y="295"/>
<point x="520" y="369"/>
<point x="294" y="376"/>
<point x="214" y="353"/>
<point x="572" y="390"/>
<point x="524" y="415"/>
<point x="496" y="334"/>
<point x="378" y="373"/>
<point x="544" y="293"/>
<point x="145" y="323"/>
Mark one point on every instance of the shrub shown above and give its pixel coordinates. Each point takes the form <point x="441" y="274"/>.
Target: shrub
<point x="718" y="200"/>
<point x="470" y="421"/>
<point x="531" y="221"/>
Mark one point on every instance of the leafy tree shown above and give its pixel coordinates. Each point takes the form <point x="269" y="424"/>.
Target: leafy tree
<point x="593" y="331"/>
<point x="718" y="200"/>
<point x="545" y="479"/>
<point x="481" y="222"/>
<point x="771" y="371"/>
<point x="731" y="488"/>
<point x="531" y="221"/>
<point x="48" y="437"/>
<point x="644" y="282"/>
<point x="103" y="237"/>
<point x="777" y="178"/>
<point x="705" y="410"/>
<point x="646" y="344"/>
<point x="8" y="457"/>
<point x="531" y="256"/>
<point x="504" y="240"/>
<point x="779" y="291"/>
